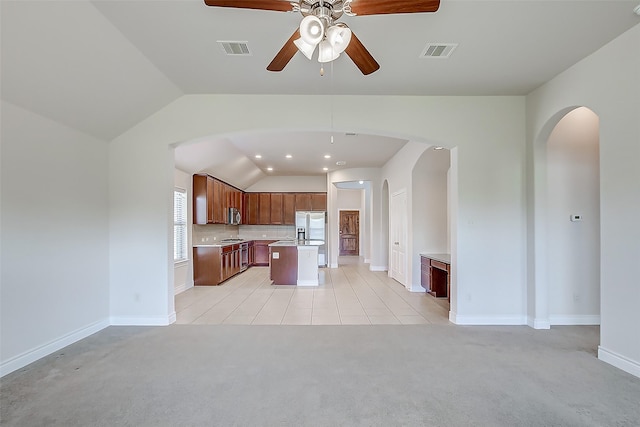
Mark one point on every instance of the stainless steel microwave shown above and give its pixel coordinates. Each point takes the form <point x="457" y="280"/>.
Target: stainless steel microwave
<point x="234" y="217"/>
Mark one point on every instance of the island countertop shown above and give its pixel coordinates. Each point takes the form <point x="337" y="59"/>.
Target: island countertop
<point x="297" y="243"/>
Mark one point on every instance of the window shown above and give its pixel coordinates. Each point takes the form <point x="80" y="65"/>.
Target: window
<point x="179" y="225"/>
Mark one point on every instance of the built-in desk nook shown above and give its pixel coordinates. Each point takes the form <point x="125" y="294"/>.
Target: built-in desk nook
<point x="436" y="269"/>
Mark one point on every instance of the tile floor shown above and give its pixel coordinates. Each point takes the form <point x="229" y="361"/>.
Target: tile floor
<point x="348" y="295"/>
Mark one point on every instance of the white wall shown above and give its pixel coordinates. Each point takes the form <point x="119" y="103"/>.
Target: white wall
<point x="573" y="248"/>
<point x="290" y="184"/>
<point x="55" y="275"/>
<point x="607" y="83"/>
<point x="430" y="215"/>
<point x="490" y="135"/>
<point x="183" y="271"/>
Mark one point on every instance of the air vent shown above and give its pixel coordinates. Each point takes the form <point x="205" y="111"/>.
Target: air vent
<point x="350" y="134"/>
<point x="438" y="50"/>
<point x="235" y="48"/>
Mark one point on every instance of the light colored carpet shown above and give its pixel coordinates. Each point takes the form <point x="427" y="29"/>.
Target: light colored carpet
<point x="422" y="375"/>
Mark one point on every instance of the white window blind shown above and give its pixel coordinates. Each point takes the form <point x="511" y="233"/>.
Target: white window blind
<point x="179" y="225"/>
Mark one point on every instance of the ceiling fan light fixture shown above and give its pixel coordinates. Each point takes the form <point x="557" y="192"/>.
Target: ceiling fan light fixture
<point x="311" y="30"/>
<point x="326" y="52"/>
<point x="338" y="36"/>
<point x="304" y="47"/>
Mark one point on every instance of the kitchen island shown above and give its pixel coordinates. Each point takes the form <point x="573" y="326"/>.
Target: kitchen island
<point x="294" y="262"/>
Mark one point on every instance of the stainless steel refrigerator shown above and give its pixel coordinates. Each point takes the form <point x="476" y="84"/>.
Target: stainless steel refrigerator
<point x="314" y="224"/>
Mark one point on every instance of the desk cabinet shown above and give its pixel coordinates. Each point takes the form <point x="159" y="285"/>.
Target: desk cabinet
<point x="435" y="274"/>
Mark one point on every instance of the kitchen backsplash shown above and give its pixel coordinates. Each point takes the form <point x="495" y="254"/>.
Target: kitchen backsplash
<point x="215" y="232"/>
<point x="257" y="232"/>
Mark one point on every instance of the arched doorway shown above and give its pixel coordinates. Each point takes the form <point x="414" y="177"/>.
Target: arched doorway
<point x="567" y="221"/>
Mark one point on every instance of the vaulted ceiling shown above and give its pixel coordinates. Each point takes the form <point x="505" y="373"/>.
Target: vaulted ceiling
<point x="103" y="66"/>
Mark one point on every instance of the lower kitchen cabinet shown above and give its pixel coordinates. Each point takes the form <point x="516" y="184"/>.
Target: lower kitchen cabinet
<point x="213" y="265"/>
<point x="262" y="252"/>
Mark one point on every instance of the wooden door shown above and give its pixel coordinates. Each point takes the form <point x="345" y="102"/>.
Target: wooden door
<point x="349" y="232"/>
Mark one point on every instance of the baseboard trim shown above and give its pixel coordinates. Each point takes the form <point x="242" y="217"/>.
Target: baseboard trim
<point x="334" y="265"/>
<point x="367" y="261"/>
<point x="377" y="268"/>
<point x="612" y="358"/>
<point x="182" y="288"/>
<point x="538" y="323"/>
<point x="486" y="320"/>
<point x="22" y="360"/>
<point x="589" y="319"/>
<point x="143" y="320"/>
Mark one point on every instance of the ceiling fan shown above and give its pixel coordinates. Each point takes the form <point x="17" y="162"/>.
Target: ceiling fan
<point x="320" y="27"/>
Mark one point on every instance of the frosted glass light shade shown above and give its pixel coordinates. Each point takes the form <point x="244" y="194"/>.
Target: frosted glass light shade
<point x="339" y="37"/>
<point x="304" y="47"/>
<point x="311" y="30"/>
<point x="326" y="52"/>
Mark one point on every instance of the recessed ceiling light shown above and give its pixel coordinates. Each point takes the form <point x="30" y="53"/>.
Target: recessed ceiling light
<point x="327" y="156"/>
<point x="258" y="156"/>
<point x="438" y="148"/>
<point x="341" y="163"/>
<point x="269" y="169"/>
<point x="325" y="169"/>
<point x="288" y="156"/>
<point x="360" y="182"/>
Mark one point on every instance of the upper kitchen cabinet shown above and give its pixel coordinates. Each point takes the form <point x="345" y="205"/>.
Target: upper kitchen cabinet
<point x="276" y="209"/>
<point x="207" y="200"/>
<point x="303" y="201"/>
<point x="289" y="208"/>
<point x="251" y="208"/>
<point x="212" y="199"/>
<point x="264" y="208"/>
<point x="311" y="201"/>
<point x="318" y="201"/>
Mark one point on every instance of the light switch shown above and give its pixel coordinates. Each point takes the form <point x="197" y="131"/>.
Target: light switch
<point x="276" y="255"/>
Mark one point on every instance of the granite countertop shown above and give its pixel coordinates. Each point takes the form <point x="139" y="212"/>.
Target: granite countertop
<point x="222" y="243"/>
<point x="298" y="243"/>
<point x="446" y="258"/>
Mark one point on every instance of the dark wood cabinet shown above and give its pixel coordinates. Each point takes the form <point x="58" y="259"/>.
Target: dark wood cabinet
<point x="262" y="252"/>
<point x="251" y="208"/>
<point x="303" y="201"/>
<point x="264" y="208"/>
<point x="212" y="198"/>
<point x="207" y="200"/>
<point x="284" y="265"/>
<point x="318" y="201"/>
<point x="276" y="209"/>
<point x="435" y="270"/>
<point x="289" y="208"/>
<point x="213" y="265"/>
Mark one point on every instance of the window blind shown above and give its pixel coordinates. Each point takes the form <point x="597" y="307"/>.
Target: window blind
<point x="179" y="225"/>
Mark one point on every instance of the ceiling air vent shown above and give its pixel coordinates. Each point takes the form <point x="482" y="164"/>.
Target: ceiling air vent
<point x="235" y="48"/>
<point x="438" y="50"/>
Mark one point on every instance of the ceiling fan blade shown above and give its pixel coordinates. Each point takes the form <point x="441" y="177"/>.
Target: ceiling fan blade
<point x="361" y="56"/>
<point x="283" y="57"/>
<point x="381" y="7"/>
<point x="278" y="5"/>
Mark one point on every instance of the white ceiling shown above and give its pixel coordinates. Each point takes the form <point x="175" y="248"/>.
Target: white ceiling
<point x="102" y="66"/>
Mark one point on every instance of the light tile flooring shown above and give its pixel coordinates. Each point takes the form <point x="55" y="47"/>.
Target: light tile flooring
<point x="347" y="295"/>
